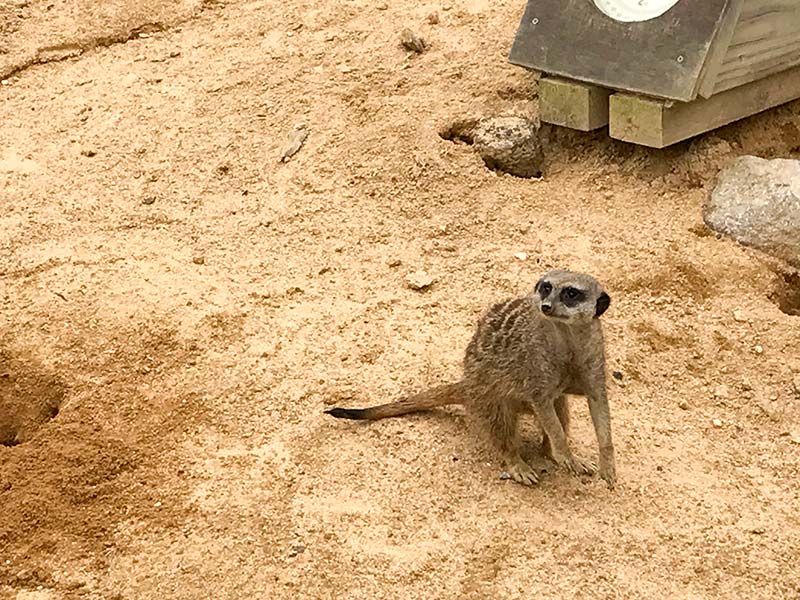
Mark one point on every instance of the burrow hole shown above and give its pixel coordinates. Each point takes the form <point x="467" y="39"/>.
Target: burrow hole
<point x="29" y="398"/>
<point x="786" y="294"/>
<point x="459" y="132"/>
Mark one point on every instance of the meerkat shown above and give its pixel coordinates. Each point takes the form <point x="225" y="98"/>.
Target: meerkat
<point x="526" y="355"/>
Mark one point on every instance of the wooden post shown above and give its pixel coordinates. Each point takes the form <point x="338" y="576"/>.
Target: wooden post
<point x="660" y="123"/>
<point x="572" y="104"/>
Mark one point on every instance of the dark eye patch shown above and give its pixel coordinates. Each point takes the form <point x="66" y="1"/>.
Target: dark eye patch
<point x="572" y="296"/>
<point x="545" y="288"/>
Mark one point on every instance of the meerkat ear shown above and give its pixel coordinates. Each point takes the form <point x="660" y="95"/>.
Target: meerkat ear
<point x="603" y="302"/>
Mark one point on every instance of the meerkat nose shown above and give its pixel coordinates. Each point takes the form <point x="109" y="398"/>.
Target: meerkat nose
<point x="547" y="309"/>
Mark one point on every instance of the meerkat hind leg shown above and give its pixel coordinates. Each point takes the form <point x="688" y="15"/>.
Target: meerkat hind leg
<point x="585" y="465"/>
<point x="500" y="420"/>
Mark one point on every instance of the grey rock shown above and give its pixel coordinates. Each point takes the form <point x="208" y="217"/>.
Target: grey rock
<point x="411" y="41"/>
<point x="510" y="145"/>
<point x="757" y="203"/>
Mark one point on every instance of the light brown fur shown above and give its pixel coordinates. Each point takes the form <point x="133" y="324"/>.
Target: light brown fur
<point x="525" y="356"/>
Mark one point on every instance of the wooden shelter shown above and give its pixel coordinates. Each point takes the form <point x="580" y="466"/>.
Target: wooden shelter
<point x="659" y="71"/>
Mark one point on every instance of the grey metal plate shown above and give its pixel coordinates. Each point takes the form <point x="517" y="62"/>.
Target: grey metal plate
<point x="662" y="57"/>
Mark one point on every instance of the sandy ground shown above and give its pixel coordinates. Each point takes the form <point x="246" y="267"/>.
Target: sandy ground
<point x="185" y="307"/>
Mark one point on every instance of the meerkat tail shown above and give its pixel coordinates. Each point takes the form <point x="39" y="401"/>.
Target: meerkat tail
<point x="442" y="395"/>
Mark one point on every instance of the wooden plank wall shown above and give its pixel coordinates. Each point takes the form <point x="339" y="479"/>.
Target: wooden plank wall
<point x="766" y="40"/>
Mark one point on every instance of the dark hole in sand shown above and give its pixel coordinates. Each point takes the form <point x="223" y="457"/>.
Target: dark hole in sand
<point x="29" y="398"/>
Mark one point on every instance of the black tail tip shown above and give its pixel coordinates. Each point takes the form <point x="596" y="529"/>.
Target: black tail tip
<point x="347" y="413"/>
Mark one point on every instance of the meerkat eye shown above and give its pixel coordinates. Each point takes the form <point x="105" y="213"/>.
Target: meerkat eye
<point x="572" y="293"/>
<point x="545" y="288"/>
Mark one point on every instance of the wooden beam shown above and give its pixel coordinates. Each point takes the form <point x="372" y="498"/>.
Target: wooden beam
<point x="661" y="123"/>
<point x="572" y="104"/>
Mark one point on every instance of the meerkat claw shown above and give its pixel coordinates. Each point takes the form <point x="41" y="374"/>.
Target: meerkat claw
<point x="523" y="473"/>
<point x="586" y="466"/>
<point x="577" y="466"/>
<point x="572" y="467"/>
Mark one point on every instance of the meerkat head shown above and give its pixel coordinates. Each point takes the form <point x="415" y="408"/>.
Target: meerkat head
<point x="570" y="297"/>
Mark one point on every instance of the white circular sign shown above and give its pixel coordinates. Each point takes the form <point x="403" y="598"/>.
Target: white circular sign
<point x="634" y="11"/>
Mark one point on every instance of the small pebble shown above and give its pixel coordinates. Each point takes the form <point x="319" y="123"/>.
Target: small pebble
<point x="683" y="405"/>
<point x="5" y="82"/>
<point x="411" y="41"/>
<point x="297" y="549"/>
<point x="148" y="200"/>
<point x="88" y="153"/>
<point x="505" y="475"/>
<point x="758" y="350"/>
<point x="199" y="259"/>
<point x="433" y="18"/>
<point x="419" y="280"/>
<point x="157" y="504"/>
<point x="739" y="317"/>
<point x="394" y="262"/>
<point x="721" y="392"/>
<point x="297" y="138"/>
<point x="769" y="408"/>
<point x="717" y="423"/>
<point x="521" y="255"/>
<point x="382" y="6"/>
<point x="617" y="375"/>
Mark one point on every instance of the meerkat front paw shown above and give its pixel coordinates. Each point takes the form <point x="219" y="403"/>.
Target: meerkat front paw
<point x="523" y="473"/>
<point x="609" y="474"/>
<point x="567" y="463"/>
<point x="576" y="465"/>
<point x="585" y="466"/>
